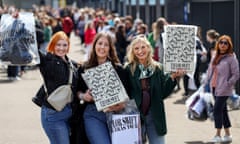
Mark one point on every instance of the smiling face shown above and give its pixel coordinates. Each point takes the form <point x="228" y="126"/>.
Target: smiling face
<point x="141" y="51"/>
<point x="61" y="48"/>
<point x="102" y="48"/>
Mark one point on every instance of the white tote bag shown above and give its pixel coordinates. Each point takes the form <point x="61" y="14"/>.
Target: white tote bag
<point x="60" y="97"/>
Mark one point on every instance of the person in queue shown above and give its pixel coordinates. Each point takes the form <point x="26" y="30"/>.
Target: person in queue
<point x="222" y="74"/>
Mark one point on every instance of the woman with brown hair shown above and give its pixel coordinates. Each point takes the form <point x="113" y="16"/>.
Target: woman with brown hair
<point x="222" y="74"/>
<point x="95" y="122"/>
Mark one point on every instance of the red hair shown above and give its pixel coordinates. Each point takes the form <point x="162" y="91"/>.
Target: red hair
<point x="55" y="38"/>
<point x="229" y="50"/>
<point x="230" y="44"/>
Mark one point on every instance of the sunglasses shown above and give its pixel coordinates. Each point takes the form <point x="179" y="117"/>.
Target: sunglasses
<point x="223" y="42"/>
<point x="139" y="36"/>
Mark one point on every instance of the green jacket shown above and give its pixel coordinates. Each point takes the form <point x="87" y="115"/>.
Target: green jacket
<point x="161" y="86"/>
<point x="151" y="40"/>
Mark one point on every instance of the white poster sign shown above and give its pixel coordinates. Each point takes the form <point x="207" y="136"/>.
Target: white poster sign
<point x="105" y="85"/>
<point x="179" y="42"/>
<point x="126" y="129"/>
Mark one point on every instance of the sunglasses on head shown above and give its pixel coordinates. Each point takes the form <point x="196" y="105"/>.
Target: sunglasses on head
<point x="223" y="42"/>
<point x="139" y="36"/>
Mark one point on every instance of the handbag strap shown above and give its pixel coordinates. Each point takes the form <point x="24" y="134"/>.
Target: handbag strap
<point x="69" y="79"/>
<point x="70" y="72"/>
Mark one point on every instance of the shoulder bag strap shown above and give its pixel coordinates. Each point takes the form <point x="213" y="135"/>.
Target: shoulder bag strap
<point x="70" y="72"/>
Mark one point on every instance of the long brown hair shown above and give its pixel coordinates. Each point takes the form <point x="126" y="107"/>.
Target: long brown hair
<point x="92" y="61"/>
<point x="229" y="50"/>
<point x="55" y="38"/>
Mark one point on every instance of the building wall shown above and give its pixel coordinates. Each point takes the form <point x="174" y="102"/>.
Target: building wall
<point x="25" y="4"/>
<point x="175" y="11"/>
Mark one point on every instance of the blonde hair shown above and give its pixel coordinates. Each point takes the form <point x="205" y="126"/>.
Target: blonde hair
<point x="132" y="60"/>
<point x="55" y="38"/>
<point x="213" y="34"/>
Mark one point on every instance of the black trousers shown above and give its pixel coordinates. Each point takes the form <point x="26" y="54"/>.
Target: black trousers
<point x="12" y="71"/>
<point x="221" y="117"/>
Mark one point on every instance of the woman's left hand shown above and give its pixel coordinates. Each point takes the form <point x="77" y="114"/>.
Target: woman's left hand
<point x="178" y="73"/>
<point x="116" y="107"/>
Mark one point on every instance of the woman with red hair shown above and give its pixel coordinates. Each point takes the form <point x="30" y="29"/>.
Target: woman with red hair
<point x="54" y="68"/>
<point x="223" y="73"/>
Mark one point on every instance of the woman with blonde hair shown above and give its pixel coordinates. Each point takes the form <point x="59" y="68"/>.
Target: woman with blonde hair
<point x="149" y="86"/>
<point x="212" y="36"/>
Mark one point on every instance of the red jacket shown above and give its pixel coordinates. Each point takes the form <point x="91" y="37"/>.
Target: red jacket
<point x="67" y="25"/>
<point x="89" y="36"/>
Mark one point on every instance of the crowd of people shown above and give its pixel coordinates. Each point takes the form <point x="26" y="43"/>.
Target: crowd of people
<point x="136" y="53"/>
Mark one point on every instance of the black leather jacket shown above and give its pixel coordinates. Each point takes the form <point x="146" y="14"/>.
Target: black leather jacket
<point x="55" y="72"/>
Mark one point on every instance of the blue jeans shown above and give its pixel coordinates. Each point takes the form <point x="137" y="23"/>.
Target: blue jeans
<point x="149" y="128"/>
<point x="55" y="124"/>
<point x="96" y="125"/>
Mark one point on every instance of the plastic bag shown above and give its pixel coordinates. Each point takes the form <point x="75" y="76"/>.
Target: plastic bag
<point x="18" y="45"/>
<point x="191" y="84"/>
<point x="200" y="105"/>
<point x="125" y="126"/>
<point x="234" y="101"/>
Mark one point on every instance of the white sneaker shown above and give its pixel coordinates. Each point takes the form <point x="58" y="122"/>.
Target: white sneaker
<point x="14" y="78"/>
<point x="216" y="139"/>
<point x="227" y="138"/>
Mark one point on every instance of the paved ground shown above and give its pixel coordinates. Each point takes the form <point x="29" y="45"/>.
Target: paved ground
<point x="20" y="118"/>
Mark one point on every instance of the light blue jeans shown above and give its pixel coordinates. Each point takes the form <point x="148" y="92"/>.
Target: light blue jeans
<point x="96" y="125"/>
<point x="55" y="124"/>
<point x="149" y="128"/>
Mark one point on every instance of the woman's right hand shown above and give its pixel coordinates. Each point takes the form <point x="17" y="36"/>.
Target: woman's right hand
<point x="87" y="97"/>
